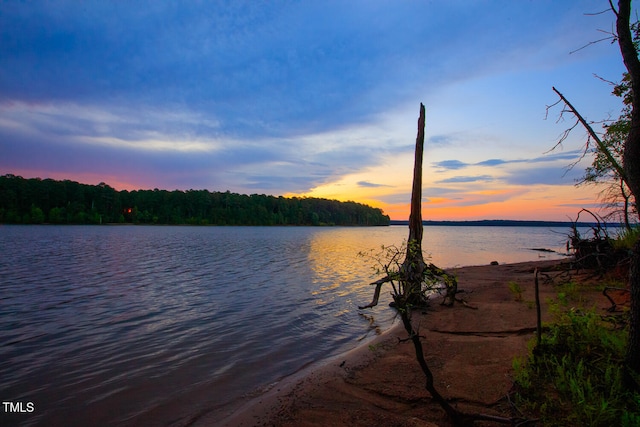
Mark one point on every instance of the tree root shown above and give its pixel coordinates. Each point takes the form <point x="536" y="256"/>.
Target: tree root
<point x="376" y="293"/>
<point x="505" y="333"/>
<point x="614" y="305"/>
<point x="458" y="417"/>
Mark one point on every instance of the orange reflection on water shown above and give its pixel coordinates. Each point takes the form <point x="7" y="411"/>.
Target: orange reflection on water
<point x="338" y="269"/>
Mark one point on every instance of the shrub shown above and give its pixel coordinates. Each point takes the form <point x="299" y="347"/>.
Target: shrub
<point x="626" y="239"/>
<point x="574" y="377"/>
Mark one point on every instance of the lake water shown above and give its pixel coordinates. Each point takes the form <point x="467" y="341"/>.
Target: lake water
<point x="102" y="325"/>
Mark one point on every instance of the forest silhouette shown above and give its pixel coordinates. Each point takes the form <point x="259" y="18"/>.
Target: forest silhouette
<point x="39" y="201"/>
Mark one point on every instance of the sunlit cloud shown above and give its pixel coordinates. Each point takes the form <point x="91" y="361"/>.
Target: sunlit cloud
<point x="149" y="144"/>
<point x="466" y="179"/>
<point x="475" y="198"/>
<point x="587" y="205"/>
<point x="371" y="184"/>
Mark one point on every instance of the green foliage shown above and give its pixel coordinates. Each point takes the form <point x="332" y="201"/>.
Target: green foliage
<point x="626" y="239"/>
<point x="24" y="201"/>
<point x="516" y="290"/>
<point x="391" y="261"/>
<point x="574" y="378"/>
<point x="569" y="292"/>
<point x="607" y="159"/>
<point x="36" y="216"/>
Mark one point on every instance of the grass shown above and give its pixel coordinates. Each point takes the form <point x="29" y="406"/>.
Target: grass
<point x="516" y="290"/>
<point x="626" y="239"/>
<point x="574" y="378"/>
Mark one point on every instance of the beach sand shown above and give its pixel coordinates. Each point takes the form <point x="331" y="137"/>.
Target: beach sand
<point x="469" y="350"/>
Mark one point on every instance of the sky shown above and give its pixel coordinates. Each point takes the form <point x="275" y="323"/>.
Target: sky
<point x="308" y="98"/>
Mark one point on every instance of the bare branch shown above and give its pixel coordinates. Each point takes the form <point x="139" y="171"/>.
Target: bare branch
<point x="613" y="9"/>
<point x="611" y="37"/>
<point x="602" y="12"/>
<point x="582" y="156"/>
<point x="548" y="107"/>
<point x="564" y="135"/>
<point x="604" y="80"/>
<point x="603" y="148"/>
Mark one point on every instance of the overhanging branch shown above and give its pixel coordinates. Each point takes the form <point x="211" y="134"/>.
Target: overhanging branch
<point x="601" y="145"/>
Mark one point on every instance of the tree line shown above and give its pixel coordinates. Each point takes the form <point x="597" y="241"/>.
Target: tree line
<point x="39" y="201"/>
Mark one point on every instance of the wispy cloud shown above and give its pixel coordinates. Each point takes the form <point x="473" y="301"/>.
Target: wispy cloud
<point x="545" y="176"/>
<point x="450" y="165"/>
<point x="440" y="140"/>
<point x="569" y="156"/>
<point x="371" y="184"/>
<point x="478" y="198"/>
<point x="465" y="179"/>
<point x="493" y="162"/>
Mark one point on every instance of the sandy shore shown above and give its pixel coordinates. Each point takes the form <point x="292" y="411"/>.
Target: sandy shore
<point x="470" y="352"/>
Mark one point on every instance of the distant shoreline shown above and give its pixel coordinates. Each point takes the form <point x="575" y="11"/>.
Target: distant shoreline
<point x="477" y="223"/>
<point x="505" y="223"/>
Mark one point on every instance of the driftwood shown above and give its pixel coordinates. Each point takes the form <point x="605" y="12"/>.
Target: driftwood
<point x="594" y="252"/>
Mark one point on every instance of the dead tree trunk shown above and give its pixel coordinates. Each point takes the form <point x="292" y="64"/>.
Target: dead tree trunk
<point x="412" y="270"/>
<point x="415" y="217"/>
<point x="410" y="275"/>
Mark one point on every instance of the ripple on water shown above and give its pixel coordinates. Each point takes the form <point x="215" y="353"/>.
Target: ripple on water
<point x="92" y="316"/>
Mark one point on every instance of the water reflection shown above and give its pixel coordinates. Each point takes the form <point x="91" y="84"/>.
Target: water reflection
<point x="342" y="277"/>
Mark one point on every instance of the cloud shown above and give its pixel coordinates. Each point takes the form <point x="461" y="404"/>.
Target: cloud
<point x="440" y="140"/>
<point x="586" y="205"/>
<point x="569" y="156"/>
<point x="177" y="159"/>
<point x="545" y="176"/>
<point x="450" y="164"/>
<point x="403" y="198"/>
<point x="550" y="169"/>
<point x="273" y="69"/>
<point x="442" y="191"/>
<point x="475" y="198"/>
<point x="492" y="162"/>
<point x="463" y="179"/>
<point x="371" y="184"/>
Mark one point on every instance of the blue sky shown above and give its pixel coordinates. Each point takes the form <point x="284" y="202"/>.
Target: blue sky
<point x="309" y="98"/>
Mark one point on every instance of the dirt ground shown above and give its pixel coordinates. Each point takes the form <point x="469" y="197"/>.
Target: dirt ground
<point x="469" y="350"/>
